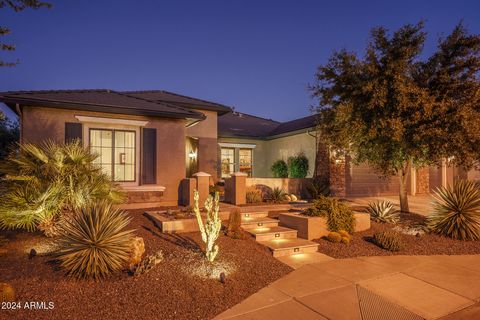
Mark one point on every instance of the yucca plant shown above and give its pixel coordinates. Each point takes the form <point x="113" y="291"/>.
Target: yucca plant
<point x="44" y="181"/>
<point x="383" y="211"/>
<point x="277" y="195"/>
<point x="93" y="243"/>
<point x="457" y="211"/>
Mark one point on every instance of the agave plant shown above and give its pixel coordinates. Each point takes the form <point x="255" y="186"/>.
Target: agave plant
<point x="93" y="242"/>
<point x="383" y="211"/>
<point x="277" y="195"/>
<point x="457" y="211"/>
<point x="44" y="181"/>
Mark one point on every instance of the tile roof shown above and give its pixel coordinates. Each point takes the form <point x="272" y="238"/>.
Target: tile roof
<point x="294" y="125"/>
<point x="102" y="100"/>
<point x="180" y="100"/>
<point x="235" y="124"/>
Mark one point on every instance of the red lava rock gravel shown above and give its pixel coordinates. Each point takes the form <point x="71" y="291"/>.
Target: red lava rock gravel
<point x="426" y="244"/>
<point x="169" y="291"/>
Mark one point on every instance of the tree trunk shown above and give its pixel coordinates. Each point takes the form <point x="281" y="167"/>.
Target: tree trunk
<point x="402" y="175"/>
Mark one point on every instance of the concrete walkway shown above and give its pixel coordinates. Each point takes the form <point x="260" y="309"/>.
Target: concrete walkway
<point x="393" y="287"/>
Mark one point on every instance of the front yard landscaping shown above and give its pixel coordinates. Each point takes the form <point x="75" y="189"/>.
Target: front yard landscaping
<point x="362" y="243"/>
<point x="183" y="286"/>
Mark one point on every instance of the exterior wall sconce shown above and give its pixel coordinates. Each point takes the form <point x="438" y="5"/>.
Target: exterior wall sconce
<point x="192" y="155"/>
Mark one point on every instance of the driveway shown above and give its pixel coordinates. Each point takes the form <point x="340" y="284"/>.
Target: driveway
<point x="391" y="287"/>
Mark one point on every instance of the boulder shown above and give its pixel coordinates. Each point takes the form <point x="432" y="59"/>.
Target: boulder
<point x="6" y="292"/>
<point x="137" y="247"/>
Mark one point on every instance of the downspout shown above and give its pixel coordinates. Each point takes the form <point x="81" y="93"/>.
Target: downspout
<point x="20" y="119"/>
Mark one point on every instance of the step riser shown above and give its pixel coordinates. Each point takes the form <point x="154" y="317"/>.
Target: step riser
<point x="254" y="215"/>
<point x="292" y="251"/>
<point x="248" y="226"/>
<point x="271" y="236"/>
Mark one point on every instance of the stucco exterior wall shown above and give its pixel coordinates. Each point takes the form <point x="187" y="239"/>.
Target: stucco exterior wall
<point x="285" y="147"/>
<point x="206" y="132"/>
<point x="260" y="163"/>
<point x="39" y="124"/>
<point x="267" y="152"/>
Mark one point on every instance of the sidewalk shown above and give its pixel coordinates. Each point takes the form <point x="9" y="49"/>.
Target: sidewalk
<point x="392" y="287"/>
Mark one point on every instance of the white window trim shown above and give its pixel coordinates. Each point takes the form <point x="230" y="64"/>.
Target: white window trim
<point x="237" y="145"/>
<point x="125" y="122"/>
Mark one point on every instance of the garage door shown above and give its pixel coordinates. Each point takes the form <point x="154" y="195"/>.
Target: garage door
<point x="361" y="180"/>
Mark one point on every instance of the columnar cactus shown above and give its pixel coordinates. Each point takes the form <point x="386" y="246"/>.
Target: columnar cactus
<point x="211" y="229"/>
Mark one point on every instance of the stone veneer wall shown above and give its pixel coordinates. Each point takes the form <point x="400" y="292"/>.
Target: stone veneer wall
<point x="331" y="169"/>
<point x="423" y="181"/>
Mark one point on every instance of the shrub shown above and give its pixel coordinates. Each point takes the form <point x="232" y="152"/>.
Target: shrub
<point x="210" y="230"/>
<point x="334" y="237"/>
<point x="279" y="169"/>
<point x="48" y="180"/>
<point x="253" y="195"/>
<point x="7" y="293"/>
<point x="339" y="215"/>
<point x="389" y="240"/>
<point x="93" y="244"/>
<point x="298" y="166"/>
<point x="318" y="187"/>
<point x="383" y="211"/>
<point x="457" y="211"/>
<point x="276" y="195"/>
<point x="234" y="229"/>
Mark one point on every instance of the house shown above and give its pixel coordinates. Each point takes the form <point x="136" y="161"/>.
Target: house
<point x="149" y="141"/>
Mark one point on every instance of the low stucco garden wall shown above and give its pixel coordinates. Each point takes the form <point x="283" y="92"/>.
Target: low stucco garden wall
<point x="297" y="186"/>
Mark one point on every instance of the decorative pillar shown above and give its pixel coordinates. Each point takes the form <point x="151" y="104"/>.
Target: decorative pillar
<point x="423" y="180"/>
<point x="235" y="188"/>
<point x="338" y="166"/>
<point x="203" y="184"/>
<point x="187" y="187"/>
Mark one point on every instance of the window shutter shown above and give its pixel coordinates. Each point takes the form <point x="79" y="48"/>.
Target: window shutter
<point x="73" y="130"/>
<point x="149" y="156"/>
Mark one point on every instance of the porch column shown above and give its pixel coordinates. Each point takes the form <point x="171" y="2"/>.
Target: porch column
<point x="235" y="188"/>
<point x="203" y="184"/>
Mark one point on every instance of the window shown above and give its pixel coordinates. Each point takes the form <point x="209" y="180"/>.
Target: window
<point x="116" y="152"/>
<point x="246" y="163"/>
<point x="228" y="161"/>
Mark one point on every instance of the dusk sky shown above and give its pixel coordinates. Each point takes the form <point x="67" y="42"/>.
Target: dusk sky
<point x="257" y="56"/>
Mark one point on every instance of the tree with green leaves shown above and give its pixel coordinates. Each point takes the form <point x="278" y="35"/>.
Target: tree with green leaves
<point x="396" y="111"/>
<point x="17" y="6"/>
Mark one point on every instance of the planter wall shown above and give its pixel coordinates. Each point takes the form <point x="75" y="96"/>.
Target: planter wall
<point x="168" y="225"/>
<point x="297" y="186"/>
<point x="316" y="227"/>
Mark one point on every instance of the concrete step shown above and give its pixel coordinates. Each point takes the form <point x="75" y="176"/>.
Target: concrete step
<point x="252" y="223"/>
<point x="287" y="247"/>
<point x="254" y="214"/>
<point x="265" y="233"/>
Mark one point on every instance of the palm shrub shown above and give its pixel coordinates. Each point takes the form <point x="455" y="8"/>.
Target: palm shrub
<point x="298" y="166"/>
<point x="45" y="181"/>
<point x="277" y="195"/>
<point x="339" y="215"/>
<point x="383" y="211"/>
<point x="93" y="243"/>
<point x="279" y="169"/>
<point x="457" y="211"/>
